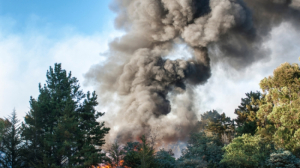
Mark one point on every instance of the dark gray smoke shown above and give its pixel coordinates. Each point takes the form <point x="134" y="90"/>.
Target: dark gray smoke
<point x="231" y="32"/>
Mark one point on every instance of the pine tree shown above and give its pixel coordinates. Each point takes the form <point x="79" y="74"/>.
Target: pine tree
<point x="165" y="159"/>
<point x="115" y="155"/>
<point x="217" y="123"/>
<point x="11" y="145"/>
<point x="139" y="154"/>
<point x="146" y="154"/>
<point x="2" y="126"/>
<point x="202" y="151"/>
<point x="61" y="128"/>
<point x="246" y="113"/>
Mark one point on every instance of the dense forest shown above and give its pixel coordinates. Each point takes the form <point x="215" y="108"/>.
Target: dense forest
<point x="62" y="130"/>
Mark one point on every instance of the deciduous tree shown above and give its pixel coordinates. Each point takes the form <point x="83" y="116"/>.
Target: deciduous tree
<point x="282" y="106"/>
<point x="246" y="151"/>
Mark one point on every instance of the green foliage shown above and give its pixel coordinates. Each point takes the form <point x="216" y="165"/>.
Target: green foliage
<point x="165" y="159"/>
<point x="246" y="151"/>
<point x="217" y="123"/>
<point x="146" y="154"/>
<point x="139" y="155"/>
<point x="61" y="130"/>
<point x="115" y="155"/>
<point x="281" y="106"/>
<point x="191" y="163"/>
<point x="11" y="146"/>
<point x="246" y="113"/>
<point x="131" y="158"/>
<point x="283" y="158"/>
<point x="2" y="126"/>
<point x="202" y="151"/>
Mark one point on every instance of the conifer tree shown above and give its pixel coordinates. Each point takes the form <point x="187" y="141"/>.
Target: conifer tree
<point x="115" y="155"/>
<point x="139" y="154"/>
<point x="10" y="149"/>
<point x="2" y="126"/>
<point x="202" y="151"/>
<point x="217" y="123"/>
<point x="61" y="128"/>
<point x="246" y="113"/>
<point x="165" y="159"/>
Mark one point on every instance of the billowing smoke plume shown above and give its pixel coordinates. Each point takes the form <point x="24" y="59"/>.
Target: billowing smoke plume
<point x="138" y="70"/>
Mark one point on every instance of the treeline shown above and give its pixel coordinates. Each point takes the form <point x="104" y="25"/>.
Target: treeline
<point x="61" y="130"/>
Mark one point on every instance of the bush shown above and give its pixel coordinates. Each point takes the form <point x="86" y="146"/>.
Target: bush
<point x="165" y="159"/>
<point x="246" y="151"/>
<point x="283" y="158"/>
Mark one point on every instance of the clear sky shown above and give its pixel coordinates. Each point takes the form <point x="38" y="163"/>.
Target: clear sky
<point x="85" y="17"/>
<point x="34" y="34"/>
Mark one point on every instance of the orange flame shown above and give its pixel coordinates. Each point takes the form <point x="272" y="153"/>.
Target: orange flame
<point x="109" y="166"/>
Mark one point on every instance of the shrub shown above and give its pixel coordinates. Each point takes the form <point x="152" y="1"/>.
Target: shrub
<point x="283" y="158"/>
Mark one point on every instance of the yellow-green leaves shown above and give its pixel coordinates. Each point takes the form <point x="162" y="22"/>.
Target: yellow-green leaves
<point x="246" y="151"/>
<point x="281" y="105"/>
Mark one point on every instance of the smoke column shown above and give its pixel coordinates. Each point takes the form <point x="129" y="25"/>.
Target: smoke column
<point x="138" y="70"/>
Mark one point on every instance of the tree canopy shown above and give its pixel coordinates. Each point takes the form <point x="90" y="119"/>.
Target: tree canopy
<point x="246" y="151"/>
<point x="61" y="128"/>
<point x="246" y="113"/>
<point x="281" y="106"/>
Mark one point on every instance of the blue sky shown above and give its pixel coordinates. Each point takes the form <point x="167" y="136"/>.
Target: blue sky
<point x="35" y="34"/>
<point x="85" y="17"/>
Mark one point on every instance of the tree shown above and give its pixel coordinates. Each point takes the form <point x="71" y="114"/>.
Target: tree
<point x="61" y="128"/>
<point x="115" y="155"/>
<point x="217" y="123"/>
<point x="165" y="159"/>
<point x="146" y="154"/>
<point x="202" y="151"/>
<point x="10" y="149"/>
<point x="282" y="158"/>
<point x="131" y="158"/>
<point x="246" y="151"/>
<point x="139" y="154"/>
<point x="282" y="106"/>
<point x="246" y="113"/>
<point x="2" y="126"/>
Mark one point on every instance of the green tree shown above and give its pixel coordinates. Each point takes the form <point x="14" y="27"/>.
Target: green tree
<point x="281" y="108"/>
<point x="115" y="155"/>
<point x="246" y="151"/>
<point x="139" y="155"/>
<point x="165" y="159"/>
<point x="61" y="128"/>
<point x="131" y="158"/>
<point x="217" y="123"/>
<point x="246" y="113"/>
<point x="10" y="149"/>
<point x="202" y="151"/>
<point x="2" y="126"/>
<point x="146" y="154"/>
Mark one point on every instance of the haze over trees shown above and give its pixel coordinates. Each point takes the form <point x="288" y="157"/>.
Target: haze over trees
<point x="61" y="130"/>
